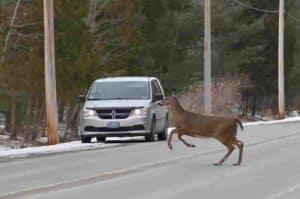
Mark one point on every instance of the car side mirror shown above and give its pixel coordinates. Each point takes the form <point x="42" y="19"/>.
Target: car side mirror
<point x="81" y="98"/>
<point x="158" y="97"/>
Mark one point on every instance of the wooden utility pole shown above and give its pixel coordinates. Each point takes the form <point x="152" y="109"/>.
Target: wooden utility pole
<point x="50" y="80"/>
<point x="281" y="109"/>
<point x="207" y="56"/>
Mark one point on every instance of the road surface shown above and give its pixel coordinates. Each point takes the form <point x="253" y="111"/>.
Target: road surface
<point x="144" y="170"/>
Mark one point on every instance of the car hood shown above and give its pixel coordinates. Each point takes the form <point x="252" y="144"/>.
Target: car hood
<point x="116" y="103"/>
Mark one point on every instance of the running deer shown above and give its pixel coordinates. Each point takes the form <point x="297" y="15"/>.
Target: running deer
<point x="197" y="125"/>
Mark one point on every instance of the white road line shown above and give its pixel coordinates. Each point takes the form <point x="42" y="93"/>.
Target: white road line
<point x="285" y="192"/>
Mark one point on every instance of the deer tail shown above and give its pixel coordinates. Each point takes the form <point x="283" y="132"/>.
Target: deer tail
<point x="240" y="123"/>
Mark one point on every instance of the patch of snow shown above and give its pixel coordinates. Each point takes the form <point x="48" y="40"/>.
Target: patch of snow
<point x="42" y="140"/>
<point x="4" y="137"/>
<point x="64" y="147"/>
<point x="4" y="148"/>
<point x="291" y="119"/>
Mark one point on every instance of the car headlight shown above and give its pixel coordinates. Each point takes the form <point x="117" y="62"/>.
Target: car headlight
<point x="140" y="112"/>
<point x="89" y="112"/>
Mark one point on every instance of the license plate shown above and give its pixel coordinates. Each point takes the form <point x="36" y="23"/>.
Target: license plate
<point x="113" y="125"/>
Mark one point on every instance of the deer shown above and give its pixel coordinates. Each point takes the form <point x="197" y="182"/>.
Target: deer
<point x="224" y="129"/>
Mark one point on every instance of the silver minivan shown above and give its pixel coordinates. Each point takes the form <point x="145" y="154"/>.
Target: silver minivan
<point x="123" y="106"/>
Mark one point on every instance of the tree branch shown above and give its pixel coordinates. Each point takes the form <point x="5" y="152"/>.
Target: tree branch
<point x="33" y="36"/>
<point x="23" y="25"/>
<point x="9" y="32"/>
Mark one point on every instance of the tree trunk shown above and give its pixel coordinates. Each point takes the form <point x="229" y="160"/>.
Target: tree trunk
<point x="61" y="111"/>
<point x="41" y="119"/>
<point x="245" y="109"/>
<point x="28" y="119"/>
<point x="13" y="131"/>
<point x="36" y="124"/>
<point x="8" y="119"/>
<point x="254" y="105"/>
<point x="72" y="120"/>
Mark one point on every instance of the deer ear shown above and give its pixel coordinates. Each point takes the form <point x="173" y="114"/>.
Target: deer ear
<point x="174" y="92"/>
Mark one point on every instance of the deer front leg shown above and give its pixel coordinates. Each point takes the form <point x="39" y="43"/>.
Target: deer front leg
<point x="170" y="138"/>
<point x="184" y="142"/>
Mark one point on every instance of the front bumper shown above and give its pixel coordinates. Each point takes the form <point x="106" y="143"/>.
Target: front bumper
<point x="131" y="126"/>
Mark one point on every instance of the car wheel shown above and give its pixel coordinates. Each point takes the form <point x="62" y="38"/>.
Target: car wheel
<point x="85" y="139"/>
<point x="163" y="135"/>
<point x="101" y="139"/>
<point x="151" y="136"/>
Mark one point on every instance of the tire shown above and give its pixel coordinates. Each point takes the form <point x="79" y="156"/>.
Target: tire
<point x="85" y="139"/>
<point x="151" y="136"/>
<point x="164" y="134"/>
<point x="101" y="139"/>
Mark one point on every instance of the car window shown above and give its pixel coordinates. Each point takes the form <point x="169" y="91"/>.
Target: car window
<point x="157" y="87"/>
<point x="154" y="88"/>
<point x="119" y="90"/>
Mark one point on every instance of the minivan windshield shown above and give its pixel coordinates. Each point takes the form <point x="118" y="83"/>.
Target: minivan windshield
<point x="119" y="90"/>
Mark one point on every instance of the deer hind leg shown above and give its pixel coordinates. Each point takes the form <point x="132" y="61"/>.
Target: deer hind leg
<point x="240" y="145"/>
<point x="184" y="142"/>
<point x="230" y="149"/>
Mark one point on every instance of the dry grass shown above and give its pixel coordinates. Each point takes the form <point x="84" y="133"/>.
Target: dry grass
<point x="225" y="95"/>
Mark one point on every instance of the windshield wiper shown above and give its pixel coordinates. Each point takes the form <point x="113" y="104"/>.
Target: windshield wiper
<point x="95" y="99"/>
<point x="115" y="98"/>
<point x="118" y="98"/>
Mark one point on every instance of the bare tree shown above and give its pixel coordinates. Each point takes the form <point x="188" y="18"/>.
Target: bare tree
<point x="10" y="30"/>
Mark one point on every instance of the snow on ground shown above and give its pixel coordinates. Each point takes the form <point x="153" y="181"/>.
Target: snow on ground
<point x="4" y="148"/>
<point x="77" y="145"/>
<point x="4" y="137"/>
<point x="6" y="152"/>
<point x="64" y="147"/>
<point x="290" y="119"/>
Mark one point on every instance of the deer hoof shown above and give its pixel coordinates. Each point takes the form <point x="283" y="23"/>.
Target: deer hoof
<point x="170" y="147"/>
<point x="218" y="164"/>
<point x="237" y="164"/>
<point x="190" y="145"/>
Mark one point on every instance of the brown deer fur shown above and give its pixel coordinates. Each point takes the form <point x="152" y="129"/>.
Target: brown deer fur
<point x="197" y="125"/>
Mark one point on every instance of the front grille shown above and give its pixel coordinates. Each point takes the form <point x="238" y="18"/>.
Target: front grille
<point x="105" y="129"/>
<point x="109" y="114"/>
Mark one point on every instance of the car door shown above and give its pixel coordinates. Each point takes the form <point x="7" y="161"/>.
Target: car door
<point x="159" y="111"/>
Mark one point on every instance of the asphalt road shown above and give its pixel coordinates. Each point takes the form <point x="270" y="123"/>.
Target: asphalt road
<point x="150" y="170"/>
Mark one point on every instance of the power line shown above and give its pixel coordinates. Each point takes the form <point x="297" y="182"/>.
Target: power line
<point x="266" y="11"/>
<point x="254" y="8"/>
<point x="292" y="17"/>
